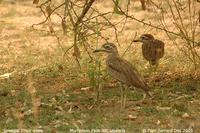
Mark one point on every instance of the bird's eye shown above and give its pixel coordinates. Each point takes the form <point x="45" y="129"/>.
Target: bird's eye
<point x="107" y="47"/>
<point x="144" y="38"/>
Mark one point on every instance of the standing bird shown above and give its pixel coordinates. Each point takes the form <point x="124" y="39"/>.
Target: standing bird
<point x="123" y="71"/>
<point x="152" y="49"/>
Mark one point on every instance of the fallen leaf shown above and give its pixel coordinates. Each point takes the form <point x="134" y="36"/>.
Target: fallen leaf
<point x="85" y="88"/>
<point x="163" y="108"/>
<point x="64" y="26"/>
<point x="131" y="117"/>
<point x="48" y="10"/>
<point x="185" y="115"/>
<point x="6" y="75"/>
<point x="28" y="112"/>
<point x="158" y="122"/>
<point x="35" y="1"/>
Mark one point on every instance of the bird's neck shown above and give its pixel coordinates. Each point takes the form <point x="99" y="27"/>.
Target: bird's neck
<point x="149" y="40"/>
<point x="111" y="55"/>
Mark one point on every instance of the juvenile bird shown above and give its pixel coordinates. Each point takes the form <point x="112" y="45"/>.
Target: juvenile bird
<point x="123" y="71"/>
<point x="152" y="49"/>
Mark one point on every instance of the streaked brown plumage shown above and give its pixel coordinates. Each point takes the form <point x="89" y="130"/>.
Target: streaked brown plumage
<point x="121" y="69"/>
<point x="152" y="49"/>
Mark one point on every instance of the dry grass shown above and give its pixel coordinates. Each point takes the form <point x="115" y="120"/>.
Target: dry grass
<point x="65" y="96"/>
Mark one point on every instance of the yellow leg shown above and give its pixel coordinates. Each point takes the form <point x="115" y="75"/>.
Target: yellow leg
<point x="144" y="95"/>
<point x="121" y="88"/>
<point x="154" y="67"/>
<point x="124" y="100"/>
<point x="123" y="96"/>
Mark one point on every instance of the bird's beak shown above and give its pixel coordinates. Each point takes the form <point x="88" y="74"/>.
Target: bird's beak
<point x="99" y="50"/>
<point x="137" y="40"/>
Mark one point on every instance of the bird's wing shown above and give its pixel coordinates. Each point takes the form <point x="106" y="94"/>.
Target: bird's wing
<point x="123" y="71"/>
<point x="153" y="50"/>
<point x="159" y="48"/>
<point x="149" y="51"/>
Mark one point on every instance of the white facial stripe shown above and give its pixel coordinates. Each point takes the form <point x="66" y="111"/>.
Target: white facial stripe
<point x="107" y="46"/>
<point x="146" y="37"/>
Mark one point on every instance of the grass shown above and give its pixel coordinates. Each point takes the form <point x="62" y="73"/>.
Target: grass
<point x="70" y="108"/>
<point x="11" y="13"/>
<point x="67" y="95"/>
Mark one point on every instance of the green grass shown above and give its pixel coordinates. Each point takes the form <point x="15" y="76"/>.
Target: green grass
<point x="70" y="108"/>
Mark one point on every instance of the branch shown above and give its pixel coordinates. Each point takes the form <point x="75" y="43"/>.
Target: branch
<point x="48" y="15"/>
<point x="151" y="25"/>
<point x="85" y="10"/>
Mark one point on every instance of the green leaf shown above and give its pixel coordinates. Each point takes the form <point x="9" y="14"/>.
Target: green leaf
<point x="116" y="8"/>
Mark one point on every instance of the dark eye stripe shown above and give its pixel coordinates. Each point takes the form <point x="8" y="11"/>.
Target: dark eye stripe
<point x="147" y="37"/>
<point x="144" y="37"/>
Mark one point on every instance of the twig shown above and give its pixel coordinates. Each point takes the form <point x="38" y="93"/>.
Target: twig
<point x="151" y="25"/>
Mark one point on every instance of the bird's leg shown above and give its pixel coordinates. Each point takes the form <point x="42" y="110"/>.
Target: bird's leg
<point x="155" y="66"/>
<point x="150" y="69"/>
<point x="123" y="96"/>
<point x="144" y="96"/>
<point x="121" y="89"/>
<point x="99" y="92"/>
<point x="97" y="99"/>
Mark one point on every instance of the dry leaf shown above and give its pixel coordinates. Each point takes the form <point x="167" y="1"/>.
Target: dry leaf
<point x="13" y="92"/>
<point x="131" y="117"/>
<point x="28" y="112"/>
<point x="6" y="75"/>
<point x="199" y="16"/>
<point x="64" y="26"/>
<point x="59" y="108"/>
<point x="70" y="109"/>
<point x="158" y="122"/>
<point x="76" y="53"/>
<point x="35" y="1"/>
<point x="116" y="9"/>
<point x="54" y="131"/>
<point x="85" y="88"/>
<point x="48" y="10"/>
<point x="143" y="4"/>
<point x="185" y="115"/>
<point x="163" y="108"/>
<point x="53" y="101"/>
<point x="51" y="29"/>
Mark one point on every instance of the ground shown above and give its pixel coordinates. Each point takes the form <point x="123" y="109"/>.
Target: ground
<point x="47" y="90"/>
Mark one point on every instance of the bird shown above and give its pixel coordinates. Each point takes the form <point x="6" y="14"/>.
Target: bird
<point x="123" y="71"/>
<point x="152" y="49"/>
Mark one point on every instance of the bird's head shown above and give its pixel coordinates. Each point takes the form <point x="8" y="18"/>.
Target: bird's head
<point x="145" y="38"/>
<point x="107" y="48"/>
